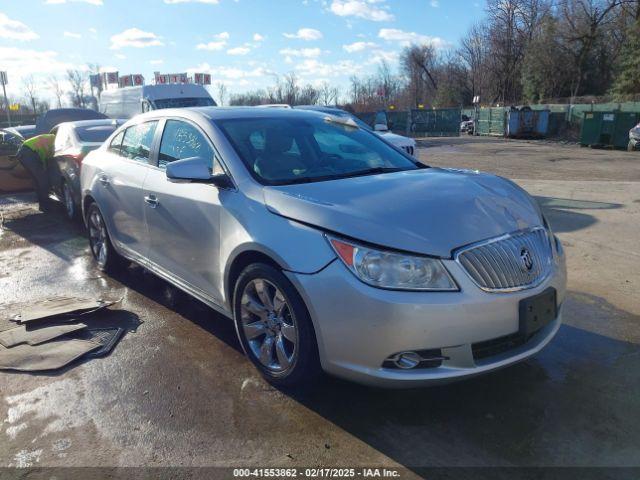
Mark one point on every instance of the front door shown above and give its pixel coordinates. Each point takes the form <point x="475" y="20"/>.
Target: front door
<point x="120" y="188"/>
<point x="183" y="218"/>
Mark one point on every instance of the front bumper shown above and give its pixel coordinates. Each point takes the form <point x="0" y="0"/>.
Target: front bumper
<point x="358" y="326"/>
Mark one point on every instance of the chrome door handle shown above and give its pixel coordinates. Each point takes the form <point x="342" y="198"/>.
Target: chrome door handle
<point x="104" y="180"/>
<point x="151" y="200"/>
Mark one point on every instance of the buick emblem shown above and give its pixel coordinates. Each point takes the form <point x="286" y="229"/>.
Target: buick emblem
<point x="526" y="259"/>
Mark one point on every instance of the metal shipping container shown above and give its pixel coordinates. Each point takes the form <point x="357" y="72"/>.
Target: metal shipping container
<point x="491" y="121"/>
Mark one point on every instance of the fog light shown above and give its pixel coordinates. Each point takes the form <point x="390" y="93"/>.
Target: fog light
<point x="407" y="360"/>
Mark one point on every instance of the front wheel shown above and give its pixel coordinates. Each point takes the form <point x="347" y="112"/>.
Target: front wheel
<point x="274" y="327"/>
<point x="105" y="255"/>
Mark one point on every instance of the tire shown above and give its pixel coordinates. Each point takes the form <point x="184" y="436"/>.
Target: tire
<point x="70" y="207"/>
<point x="106" y="257"/>
<point x="274" y="327"/>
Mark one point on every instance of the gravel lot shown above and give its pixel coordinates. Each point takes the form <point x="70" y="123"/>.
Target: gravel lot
<point x="178" y="391"/>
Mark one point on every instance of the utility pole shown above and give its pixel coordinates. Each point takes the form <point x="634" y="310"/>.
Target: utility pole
<point x="3" y="80"/>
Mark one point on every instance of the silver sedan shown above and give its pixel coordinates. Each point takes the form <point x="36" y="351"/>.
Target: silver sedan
<point x="330" y="249"/>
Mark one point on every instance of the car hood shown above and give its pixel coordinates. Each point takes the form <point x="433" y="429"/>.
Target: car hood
<point x="397" y="140"/>
<point x="428" y="211"/>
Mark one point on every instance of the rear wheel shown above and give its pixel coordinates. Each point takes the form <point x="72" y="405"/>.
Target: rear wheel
<point x="105" y="255"/>
<point x="274" y="327"/>
<point x="69" y="204"/>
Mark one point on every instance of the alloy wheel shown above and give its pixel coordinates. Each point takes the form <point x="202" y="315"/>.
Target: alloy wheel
<point x="269" y="325"/>
<point x="98" y="237"/>
<point x="69" y="205"/>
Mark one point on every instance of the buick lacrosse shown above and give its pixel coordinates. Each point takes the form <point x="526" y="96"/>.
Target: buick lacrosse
<point x="331" y="249"/>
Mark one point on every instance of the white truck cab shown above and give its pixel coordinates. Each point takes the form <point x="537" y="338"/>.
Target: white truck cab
<point x="128" y="102"/>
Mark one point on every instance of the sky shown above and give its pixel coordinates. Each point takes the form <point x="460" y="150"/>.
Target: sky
<point x="245" y="44"/>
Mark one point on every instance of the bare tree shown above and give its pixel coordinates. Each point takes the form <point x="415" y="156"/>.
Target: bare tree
<point x="30" y="88"/>
<point x="78" y="81"/>
<point x="328" y="95"/>
<point x="222" y="93"/>
<point x="583" y="22"/>
<point x="56" y="87"/>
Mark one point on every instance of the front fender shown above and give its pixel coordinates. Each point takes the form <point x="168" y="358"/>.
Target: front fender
<point x="295" y="247"/>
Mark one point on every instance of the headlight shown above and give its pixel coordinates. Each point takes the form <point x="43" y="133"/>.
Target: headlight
<point x="385" y="269"/>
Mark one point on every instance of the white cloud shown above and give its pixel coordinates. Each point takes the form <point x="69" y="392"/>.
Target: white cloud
<point x="358" y="46"/>
<point x="220" y="44"/>
<point x="156" y="62"/>
<point x="313" y="67"/>
<point x="230" y="73"/>
<point x="97" y="3"/>
<point x="120" y="56"/>
<point x="435" y="3"/>
<point x="134" y="37"/>
<point x="302" y="52"/>
<point x="238" y="51"/>
<point x="15" y="30"/>
<point x="366" y="9"/>
<point x="210" y="2"/>
<point x="72" y="35"/>
<point x="379" y="56"/>
<point x="305" y="34"/>
<point x="257" y="37"/>
<point x="407" y="38"/>
<point x="29" y="62"/>
<point x="211" y="46"/>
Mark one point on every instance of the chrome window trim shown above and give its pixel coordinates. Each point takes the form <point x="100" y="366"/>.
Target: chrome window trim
<point x="534" y="284"/>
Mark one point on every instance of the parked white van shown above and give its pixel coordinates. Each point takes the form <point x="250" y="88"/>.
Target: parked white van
<point x="128" y="102"/>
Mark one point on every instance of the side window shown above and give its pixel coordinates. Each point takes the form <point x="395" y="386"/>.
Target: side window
<point x="182" y="140"/>
<point x="116" y="144"/>
<point x="137" y="141"/>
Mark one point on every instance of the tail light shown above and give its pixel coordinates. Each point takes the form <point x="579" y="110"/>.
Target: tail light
<point x="77" y="155"/>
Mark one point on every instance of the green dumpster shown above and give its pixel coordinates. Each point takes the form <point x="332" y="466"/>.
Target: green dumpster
<point x="607" y="129"/>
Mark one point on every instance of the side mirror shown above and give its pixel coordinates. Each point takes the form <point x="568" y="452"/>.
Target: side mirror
<point x="380" y="127"/>
<point x="195" y="169"/>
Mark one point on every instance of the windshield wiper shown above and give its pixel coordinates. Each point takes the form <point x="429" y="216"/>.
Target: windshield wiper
<point x="373" y="171"/>
<point x="338" y="176"/>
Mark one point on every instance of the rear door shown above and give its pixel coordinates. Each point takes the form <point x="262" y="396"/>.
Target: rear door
<point x="183" y="219"/>
<point x="120" y="187"/>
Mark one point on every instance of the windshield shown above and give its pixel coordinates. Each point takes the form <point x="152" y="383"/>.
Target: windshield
<point x="184" y="102"/>
<point x="280" y="151"/>
<point x="96" y="134"/>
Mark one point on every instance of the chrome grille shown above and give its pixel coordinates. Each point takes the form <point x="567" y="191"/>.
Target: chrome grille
<point x="501" y="264"/>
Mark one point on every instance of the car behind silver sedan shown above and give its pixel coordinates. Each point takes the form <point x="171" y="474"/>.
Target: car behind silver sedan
<point x="330" y="249"/>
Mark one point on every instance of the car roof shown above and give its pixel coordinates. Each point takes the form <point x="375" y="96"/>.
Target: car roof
<point x="94" y="123"/>
<point x="321" y="108"/>
<point x="226" y="113"/>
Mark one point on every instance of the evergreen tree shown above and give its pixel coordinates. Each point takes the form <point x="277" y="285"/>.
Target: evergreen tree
<point x="628" y="78"/>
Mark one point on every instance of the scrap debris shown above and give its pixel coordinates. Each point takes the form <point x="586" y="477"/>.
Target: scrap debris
<point x="18" y="335"/>
<point x="54" y="332"/>
<point x="62" y="308"/>
<point x="46" y="356"/>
